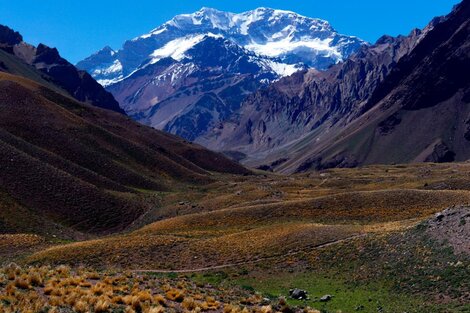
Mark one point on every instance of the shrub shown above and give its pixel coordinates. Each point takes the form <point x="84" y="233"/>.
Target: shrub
<point x="35" y="279"/>
<point x="159" y="299"/>
<point x="63" y="270"/>
<point x="101" y="306"/>
<point x="144" y="296"/>
<point x="22" y="283"/>
<point x="158" y="309"/>
<point x="189" y="304"/>
<point x="175" y="295"/>
<point x="81" y="306"/>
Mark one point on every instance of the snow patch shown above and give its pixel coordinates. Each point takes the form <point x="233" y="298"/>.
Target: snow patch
<point x="115" y="68"/>
<point x="287" y="31"/>
<point x="108" y="82"/>
<point x="177" y="48"/>
<point x="246" y="19"/>
<point x="284" y="46"/>
<point x="282" y="69"/>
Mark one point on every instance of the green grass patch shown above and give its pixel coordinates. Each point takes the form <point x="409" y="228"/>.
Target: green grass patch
<point x="376" y="297"/>
<point x="212" y="278"/>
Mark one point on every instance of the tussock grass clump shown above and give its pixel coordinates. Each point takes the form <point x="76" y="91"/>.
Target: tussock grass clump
<point x="159" y="299"/>
<point x="22" y="283"/>
<point x="189" y="304"/>
<point x="35" y="279"/>
<point x="211" y="304"/>
<point x="158" y="309"/>
<point x="102" y="306"/>
<point x="81" y="306"/>
<point x="35" y="289"/>
<point x="175" y="295"/>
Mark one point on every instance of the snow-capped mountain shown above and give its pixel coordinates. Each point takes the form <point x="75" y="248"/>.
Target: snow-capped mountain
<point x="210" y="79"/>
<point x="279" y="34"/>
<point x="191" y="73"/>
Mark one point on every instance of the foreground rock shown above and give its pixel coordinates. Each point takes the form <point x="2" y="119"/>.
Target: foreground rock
<point x="298" y="294"/>
<point x="326" y="298"/>
<point x="452" y="226"/>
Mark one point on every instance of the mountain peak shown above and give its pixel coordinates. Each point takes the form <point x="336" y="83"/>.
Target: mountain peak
<point x="208" y="10"/>
<point x="107" y="49"/>
<point x="9" y="36"/>
<point x="283" y="36"/>
<point x="271" y="10"/>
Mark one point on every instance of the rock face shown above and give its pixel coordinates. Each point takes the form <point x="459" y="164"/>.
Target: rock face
<point x="308" y="102"/>
<point x="191" y="73"/>
<point x="59" y="71"/>
<point x="9" y="37"/>
<point x="401" y="100"/>
<point x="189" y="96"/>
<point x="451" y="226"/>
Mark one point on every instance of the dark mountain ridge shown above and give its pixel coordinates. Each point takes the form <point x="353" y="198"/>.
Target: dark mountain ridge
<point x="420" y="112"/>
<point x="79" y="84"/>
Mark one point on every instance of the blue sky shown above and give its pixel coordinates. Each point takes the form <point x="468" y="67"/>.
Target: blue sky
<point x="79" y="28"/>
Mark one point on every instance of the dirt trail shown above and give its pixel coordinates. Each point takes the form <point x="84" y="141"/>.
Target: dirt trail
<point x="216" y="267"/>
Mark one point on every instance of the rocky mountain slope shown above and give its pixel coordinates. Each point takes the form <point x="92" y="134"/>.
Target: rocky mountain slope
<point x="187" y="96"/>
<point x="52" y="68"/>
<point x="291" y="108"/>
<point x="70" y="169"/>
<point x="191" y="73"/>
<point x="289" y="126"/>
<point x="420" y="112"/>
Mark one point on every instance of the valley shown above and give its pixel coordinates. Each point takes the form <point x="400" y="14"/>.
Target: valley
<point x="354" y="233"/>
<point x="252" y="162"/>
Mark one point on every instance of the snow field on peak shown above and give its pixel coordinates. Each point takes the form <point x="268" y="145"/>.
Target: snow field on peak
<point x="177" y="48"/>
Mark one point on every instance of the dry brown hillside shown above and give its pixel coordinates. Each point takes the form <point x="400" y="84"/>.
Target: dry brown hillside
<point x="80" y="168"/>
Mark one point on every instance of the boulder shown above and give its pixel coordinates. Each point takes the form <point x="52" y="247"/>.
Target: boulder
<point x="298" y="294"/>
<point x="326" y="298"/>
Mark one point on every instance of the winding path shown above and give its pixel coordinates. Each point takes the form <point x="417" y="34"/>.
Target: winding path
<point x="217" y="267"/>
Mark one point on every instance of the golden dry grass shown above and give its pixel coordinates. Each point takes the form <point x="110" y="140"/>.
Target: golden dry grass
<point x="259" y="217"/>
<point x="8" y="241"/>
<point x="65" y="289"/>
<point x="13" y="246"/>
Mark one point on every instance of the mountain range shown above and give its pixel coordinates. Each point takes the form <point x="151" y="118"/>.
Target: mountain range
<point x="323" y="100"/>
<point x="309" y="105"/>
<point x="191" y="73"/>
<point x="401" y="100"/>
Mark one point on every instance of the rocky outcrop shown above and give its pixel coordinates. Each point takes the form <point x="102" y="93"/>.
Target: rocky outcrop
<point x="310" y="101"/>
<point x="57" y="70"/>
<point x="419" y="112"/>
<point x="452" y="227"/>
<point x="9" y="37"/>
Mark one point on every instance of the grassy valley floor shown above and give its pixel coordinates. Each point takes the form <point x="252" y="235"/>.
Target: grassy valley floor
<point x="375" y="238"/>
